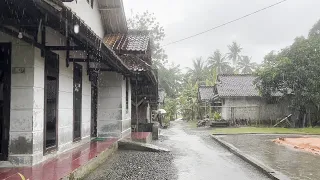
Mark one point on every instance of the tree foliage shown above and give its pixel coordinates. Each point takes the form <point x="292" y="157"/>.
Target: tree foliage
<point x="295" y="71"/>
<point x="198" y="71"/>
<point x="170" y="79"/>
<point x="234" y="52"/>
<point x="245" y="66"/>
<point x="219" y="62"/>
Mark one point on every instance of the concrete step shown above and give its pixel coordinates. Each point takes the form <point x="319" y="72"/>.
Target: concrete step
<point x="138" y="146"/>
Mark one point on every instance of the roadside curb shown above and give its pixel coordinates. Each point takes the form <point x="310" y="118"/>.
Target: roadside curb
<point x="91" y="165"/>
<point x="223" y="134"/>
<point x="271" y="173"/>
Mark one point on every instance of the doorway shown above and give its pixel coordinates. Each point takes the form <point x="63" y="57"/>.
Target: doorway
<point x="5" y="88"/>
<point x="51" y="87"/>
<point x="77" y="101"/>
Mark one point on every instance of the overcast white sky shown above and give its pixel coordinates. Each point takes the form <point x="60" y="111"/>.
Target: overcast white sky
<point x="272" y="29"/>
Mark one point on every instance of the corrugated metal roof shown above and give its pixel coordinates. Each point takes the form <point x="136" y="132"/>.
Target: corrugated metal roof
<point x="133" y="41"/>
<point x="237" y="85"/>
<point x="206" y="93"/>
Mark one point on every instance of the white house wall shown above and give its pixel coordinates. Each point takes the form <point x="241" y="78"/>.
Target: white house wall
<point x="26" y="111"/>
<point x="113" y="118"/>
<point x="65" y="105"/>
<point x="27" y="102"/>
<point x="91" y="16"/>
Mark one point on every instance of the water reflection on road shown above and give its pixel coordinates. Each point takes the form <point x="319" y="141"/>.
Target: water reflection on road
<point x="198" y="157"/>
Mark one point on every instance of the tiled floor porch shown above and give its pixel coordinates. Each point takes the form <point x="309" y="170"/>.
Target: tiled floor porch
<point x="60" y="166"/>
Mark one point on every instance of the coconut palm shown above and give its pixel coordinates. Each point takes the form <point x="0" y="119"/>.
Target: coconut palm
<point x="245" y="66"/>
<point x="198" y="70"/>
<point x="234" y="52"/>
<point x="219" y="63"/>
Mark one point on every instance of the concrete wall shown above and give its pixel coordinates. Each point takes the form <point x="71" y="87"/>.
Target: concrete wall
<point x="27" y="102"/>
<point x="113" y="118"/>
<point x="65" y="106"/>
<point x="90" y="16"/>
<point x="253" y="108"/>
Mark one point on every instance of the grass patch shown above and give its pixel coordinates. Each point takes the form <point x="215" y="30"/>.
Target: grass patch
<point x="193" y="124"/>
<point x="265" y="130"/>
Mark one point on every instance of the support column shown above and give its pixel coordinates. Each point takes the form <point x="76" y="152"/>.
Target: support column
<point x="110" y="105"/>
<point x="27" y="104"/>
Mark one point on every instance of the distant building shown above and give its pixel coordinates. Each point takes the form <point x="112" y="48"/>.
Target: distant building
<point x="236" y="97"/>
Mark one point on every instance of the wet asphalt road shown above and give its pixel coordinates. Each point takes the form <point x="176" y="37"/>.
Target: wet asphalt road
<point x="194" y="156"/>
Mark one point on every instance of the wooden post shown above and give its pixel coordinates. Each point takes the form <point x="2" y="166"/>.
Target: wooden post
<point x="136" y="93"/>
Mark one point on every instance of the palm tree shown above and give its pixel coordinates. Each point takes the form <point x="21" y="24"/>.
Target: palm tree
<point x="234" y="52"/>
<point x="218" y="62"/>
<point x="170" y="79"/>
<point x="198" y="70"/>
<point x="246" y="66"/>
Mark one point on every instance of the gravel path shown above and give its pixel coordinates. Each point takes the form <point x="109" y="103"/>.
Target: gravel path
<point x="194" y="156"/>
<point x="133" y="165"/>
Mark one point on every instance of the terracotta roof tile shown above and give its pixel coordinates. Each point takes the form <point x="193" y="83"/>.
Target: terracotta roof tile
<point x="132" y="41"/>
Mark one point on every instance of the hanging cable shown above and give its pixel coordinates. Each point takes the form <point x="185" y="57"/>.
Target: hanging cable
<point x="229" y="22"/>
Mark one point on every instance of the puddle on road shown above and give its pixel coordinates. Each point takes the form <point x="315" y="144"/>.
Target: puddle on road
<point x="294" y="163"/>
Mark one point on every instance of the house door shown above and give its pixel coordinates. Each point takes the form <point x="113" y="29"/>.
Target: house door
<point x="51" y="87"/>
<point x="5" y="88"/>
<point x="77" y="100"/>
<point x="94" y="110"/>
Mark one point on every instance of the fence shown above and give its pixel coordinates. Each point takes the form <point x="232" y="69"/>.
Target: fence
<point x="248" y="114"/>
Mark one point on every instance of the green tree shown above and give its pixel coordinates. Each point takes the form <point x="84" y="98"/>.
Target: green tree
<point x="246" y="66"/>
<point x="219" y="62"/>
<point x="188" y="101"/>
<point x="170" y="79"/>
<point x="234" y="52"/>
<point x="171" y="108"/>
<point x="295" y="72"/>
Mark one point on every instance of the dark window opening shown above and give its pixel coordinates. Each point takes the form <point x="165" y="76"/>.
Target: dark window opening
<point x="77" y="100"/>
<point x="51" y="100"/>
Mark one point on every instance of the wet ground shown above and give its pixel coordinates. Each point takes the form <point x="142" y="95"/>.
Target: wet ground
<point x="194" y="156"/>
<point x="296" y="164"/>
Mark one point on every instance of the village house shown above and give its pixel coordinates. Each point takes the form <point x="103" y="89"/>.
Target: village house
<point x="236" y="97"/>
<point x="62" y="82"/>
